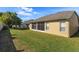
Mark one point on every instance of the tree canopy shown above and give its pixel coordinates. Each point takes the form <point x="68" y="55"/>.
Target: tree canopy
<point x="10" y="18"/>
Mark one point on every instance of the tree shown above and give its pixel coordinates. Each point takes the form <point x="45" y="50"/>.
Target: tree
<point x="17" y="21"/>
<point x="10" y="18"/>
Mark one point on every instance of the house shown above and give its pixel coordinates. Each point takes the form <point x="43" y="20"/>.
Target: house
<point x="62" y="23"/>
<point x="26" y="24"/>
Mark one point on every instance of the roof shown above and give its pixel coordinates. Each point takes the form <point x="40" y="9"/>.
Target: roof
<point x="27" y="22"/>
<point x="58" y="16"/>
<point x="53" y="17"/>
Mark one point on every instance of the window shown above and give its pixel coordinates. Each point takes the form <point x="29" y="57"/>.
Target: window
<point x="62" y="26"/>
<point x="41" y="26"/>
<point x="47" y="26"/>
<point x="33" y="25"/>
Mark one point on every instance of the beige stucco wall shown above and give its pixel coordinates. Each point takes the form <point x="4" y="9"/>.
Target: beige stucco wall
<point x="30" y="26"/>
<point x="54" y="28"/>
<point x="73" y="28"/>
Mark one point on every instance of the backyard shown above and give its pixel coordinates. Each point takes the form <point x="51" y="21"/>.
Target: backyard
<point x="27" y="40"/>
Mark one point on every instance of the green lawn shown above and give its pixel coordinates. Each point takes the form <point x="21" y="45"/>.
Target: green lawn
<point x="37" y="41"/>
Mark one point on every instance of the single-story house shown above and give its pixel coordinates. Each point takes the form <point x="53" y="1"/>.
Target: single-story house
<point x="26" y="24"/>
<point x="62" y="23"/>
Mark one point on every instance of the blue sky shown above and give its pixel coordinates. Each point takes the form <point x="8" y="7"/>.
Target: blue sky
<point x="27" y="13"/>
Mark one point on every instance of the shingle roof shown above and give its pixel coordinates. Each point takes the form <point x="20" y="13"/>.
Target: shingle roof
<point x="27" y="22"/>
<point x="58" y="16"/>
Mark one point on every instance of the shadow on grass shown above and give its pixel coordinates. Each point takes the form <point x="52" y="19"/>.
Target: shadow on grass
<point x="6" y="42"/>
<point x="19" y="50"/>
<point x="21" y="28"/>
<point x="13" y="37"/>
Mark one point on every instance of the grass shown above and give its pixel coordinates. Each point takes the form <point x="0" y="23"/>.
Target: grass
<point x="37" y="41"/>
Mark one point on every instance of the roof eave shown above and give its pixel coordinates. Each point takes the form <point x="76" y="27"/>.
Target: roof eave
<point x="49" y="20"/>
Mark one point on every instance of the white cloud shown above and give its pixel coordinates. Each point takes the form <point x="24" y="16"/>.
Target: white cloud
<point x="36" y="12"/>
<point x="28" y="12"/>
<point x="27" y="9"/>
<point x="24" y="13"/>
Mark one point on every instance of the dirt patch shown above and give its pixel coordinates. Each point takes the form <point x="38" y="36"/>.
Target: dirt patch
<point x="20" y="47"/>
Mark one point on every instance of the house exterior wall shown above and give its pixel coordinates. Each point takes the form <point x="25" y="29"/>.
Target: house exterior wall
<point x="30" y="26"/>
<point x="73" y="26"/>
<point x="54" y="28"/>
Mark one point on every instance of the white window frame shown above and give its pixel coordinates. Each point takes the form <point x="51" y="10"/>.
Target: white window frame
<point x="62" y="26"/>
<point x="46" y="26"/>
